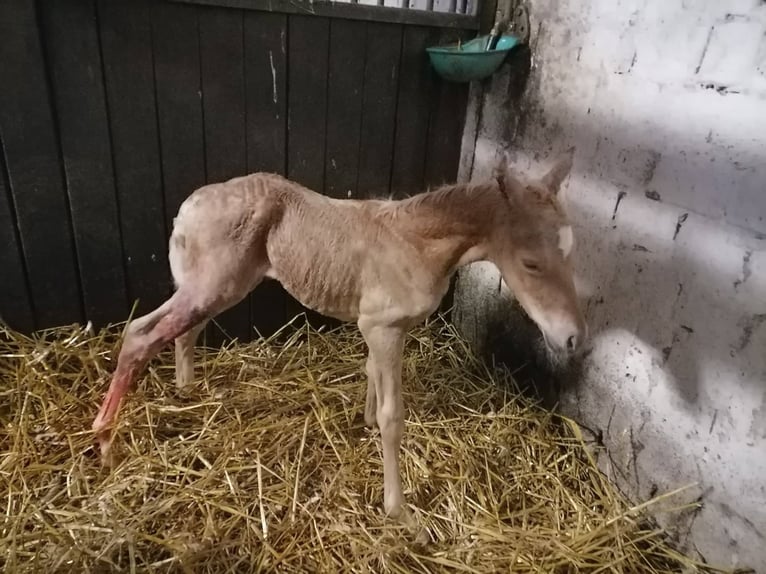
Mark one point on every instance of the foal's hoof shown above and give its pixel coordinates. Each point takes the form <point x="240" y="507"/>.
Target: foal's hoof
<point x="418" y="534"/>
<point x="370" y="413"/>
<point x="107" y="455"/>
<point x="184" y="387"/>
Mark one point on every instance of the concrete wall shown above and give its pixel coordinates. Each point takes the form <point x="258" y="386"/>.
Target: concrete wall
<point x="665" y="102"/>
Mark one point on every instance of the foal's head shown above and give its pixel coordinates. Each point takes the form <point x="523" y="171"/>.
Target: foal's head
<point x="532" y="247"/>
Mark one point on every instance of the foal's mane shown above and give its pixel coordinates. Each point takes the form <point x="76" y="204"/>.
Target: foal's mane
<point x="448" y="194"/>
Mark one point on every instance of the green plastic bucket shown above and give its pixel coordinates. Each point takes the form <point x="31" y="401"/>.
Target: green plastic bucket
<point x="470" y="61"/>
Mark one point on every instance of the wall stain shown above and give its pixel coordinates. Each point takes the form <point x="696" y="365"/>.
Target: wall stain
<point x="749" y="325"/>
<point x="651" y="167"/>
<point x="758" y="421"/>
<point x="620" y="196"/>
<point x="730" y="513"/>
<point x="704" y="49"/>
<point x="681" y="220"/>
<point x="652" y="194"/>
<point x="712" y="423"/>
<point x="746" y="269"/>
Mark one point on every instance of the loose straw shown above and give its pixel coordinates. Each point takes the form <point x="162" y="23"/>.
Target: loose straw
<point x="266" y="465"/>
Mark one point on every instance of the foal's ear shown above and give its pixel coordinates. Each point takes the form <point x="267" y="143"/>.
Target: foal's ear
<point x="500" y="171"/>
<point x="506" y="181"/>
<point x="559" y="172"/>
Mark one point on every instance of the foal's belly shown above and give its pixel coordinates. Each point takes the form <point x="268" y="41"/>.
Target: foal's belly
<point x="323" y="300"/>
<point x="326" y="289"/>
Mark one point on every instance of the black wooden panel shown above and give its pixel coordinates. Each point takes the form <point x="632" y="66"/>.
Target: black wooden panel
<point x="126" y="37"/>
<point x="223" y="100"/>
<point x="445" y="133"/>
<point x="344" y="106"/>
<point x="266" y="111"/>
<point x="445" y="129"/>
<point x="179" y="106"/>
<point x="308" y="43"/>
<point x="266" y="87"/>
<point x="35" y="176"/>
<point x="15" y="304"/>
<point x="413" y="112"/>
<point x="73" y="52"/>
<point x="308" y="46"/>
<point x="381" y="80"/>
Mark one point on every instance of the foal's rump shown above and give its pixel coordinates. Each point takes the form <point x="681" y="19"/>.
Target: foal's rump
<point x="219" y="236"/>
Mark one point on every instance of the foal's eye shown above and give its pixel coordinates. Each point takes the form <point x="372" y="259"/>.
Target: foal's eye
<point x="531" y="266"/>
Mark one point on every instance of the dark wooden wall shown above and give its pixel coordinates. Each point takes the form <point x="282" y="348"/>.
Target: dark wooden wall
<point x="113" y="112"/>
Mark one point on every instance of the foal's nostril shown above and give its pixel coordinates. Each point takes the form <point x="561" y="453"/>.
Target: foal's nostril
<point x="572" y="343"/>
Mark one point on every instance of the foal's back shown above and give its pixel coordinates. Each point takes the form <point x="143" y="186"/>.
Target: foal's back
<point x="332" y="255"/>
<point x="343" y="258"/>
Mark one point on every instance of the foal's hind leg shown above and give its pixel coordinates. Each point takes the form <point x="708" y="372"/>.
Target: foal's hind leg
<point x="185" y="355"/>
<point x="144" y="338"/>
<point x="189" y="308"/>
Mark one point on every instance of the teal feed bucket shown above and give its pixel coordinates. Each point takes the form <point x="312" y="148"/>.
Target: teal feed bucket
<point x="470" y="61"/>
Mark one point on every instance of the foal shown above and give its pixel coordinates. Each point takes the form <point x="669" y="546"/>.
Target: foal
<point x="384" y="264"/>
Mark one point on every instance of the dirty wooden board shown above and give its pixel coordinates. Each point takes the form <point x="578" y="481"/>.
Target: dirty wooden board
<point x="344" y="107"/>
<point x="179" y="107"/>
<point x="381" y="82"/>
<point x="16" y="309"/>
<point x="413" y="112"/>
<point x="126" y="39"/>
<point x="73" y="53"/>
<point x="35" y="176"/>
<point x="265" y="39"/>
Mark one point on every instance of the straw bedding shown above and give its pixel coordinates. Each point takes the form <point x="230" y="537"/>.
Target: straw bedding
<point x="265" y="465"/>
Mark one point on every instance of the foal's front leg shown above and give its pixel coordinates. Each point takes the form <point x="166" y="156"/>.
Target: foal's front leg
<point x="386" y="345"/>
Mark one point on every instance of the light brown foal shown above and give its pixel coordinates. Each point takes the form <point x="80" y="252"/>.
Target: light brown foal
<point x="384" y="264"/>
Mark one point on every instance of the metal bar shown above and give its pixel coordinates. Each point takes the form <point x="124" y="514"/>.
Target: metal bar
<point x="347" y="11"/>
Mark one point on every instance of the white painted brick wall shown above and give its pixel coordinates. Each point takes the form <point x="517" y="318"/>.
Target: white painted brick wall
<point x="666" y="104"/>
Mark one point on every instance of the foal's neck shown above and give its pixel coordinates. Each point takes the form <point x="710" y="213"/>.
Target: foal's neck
<point x="452" y="225"/>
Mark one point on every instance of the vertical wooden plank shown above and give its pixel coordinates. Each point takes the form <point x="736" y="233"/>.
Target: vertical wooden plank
<point x="413" y="112"/>
<point x="223" y="101"/>
<point x="73" y="51"/>
<point x="266" y="91"/>
<point x="344" y="106"/>
<point x="34" y="171"/>
<point x="445" y="130"/>
<point x="175" y="40"/>
<point x="266" y="112"/>
<point x="15" y="304"/>
<point x="445" y="133"/>
<point x="381" y="81"/>
<point x="223" y="92"/>
<point x="308" y="45"/>
<point x="126" y="38"/>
